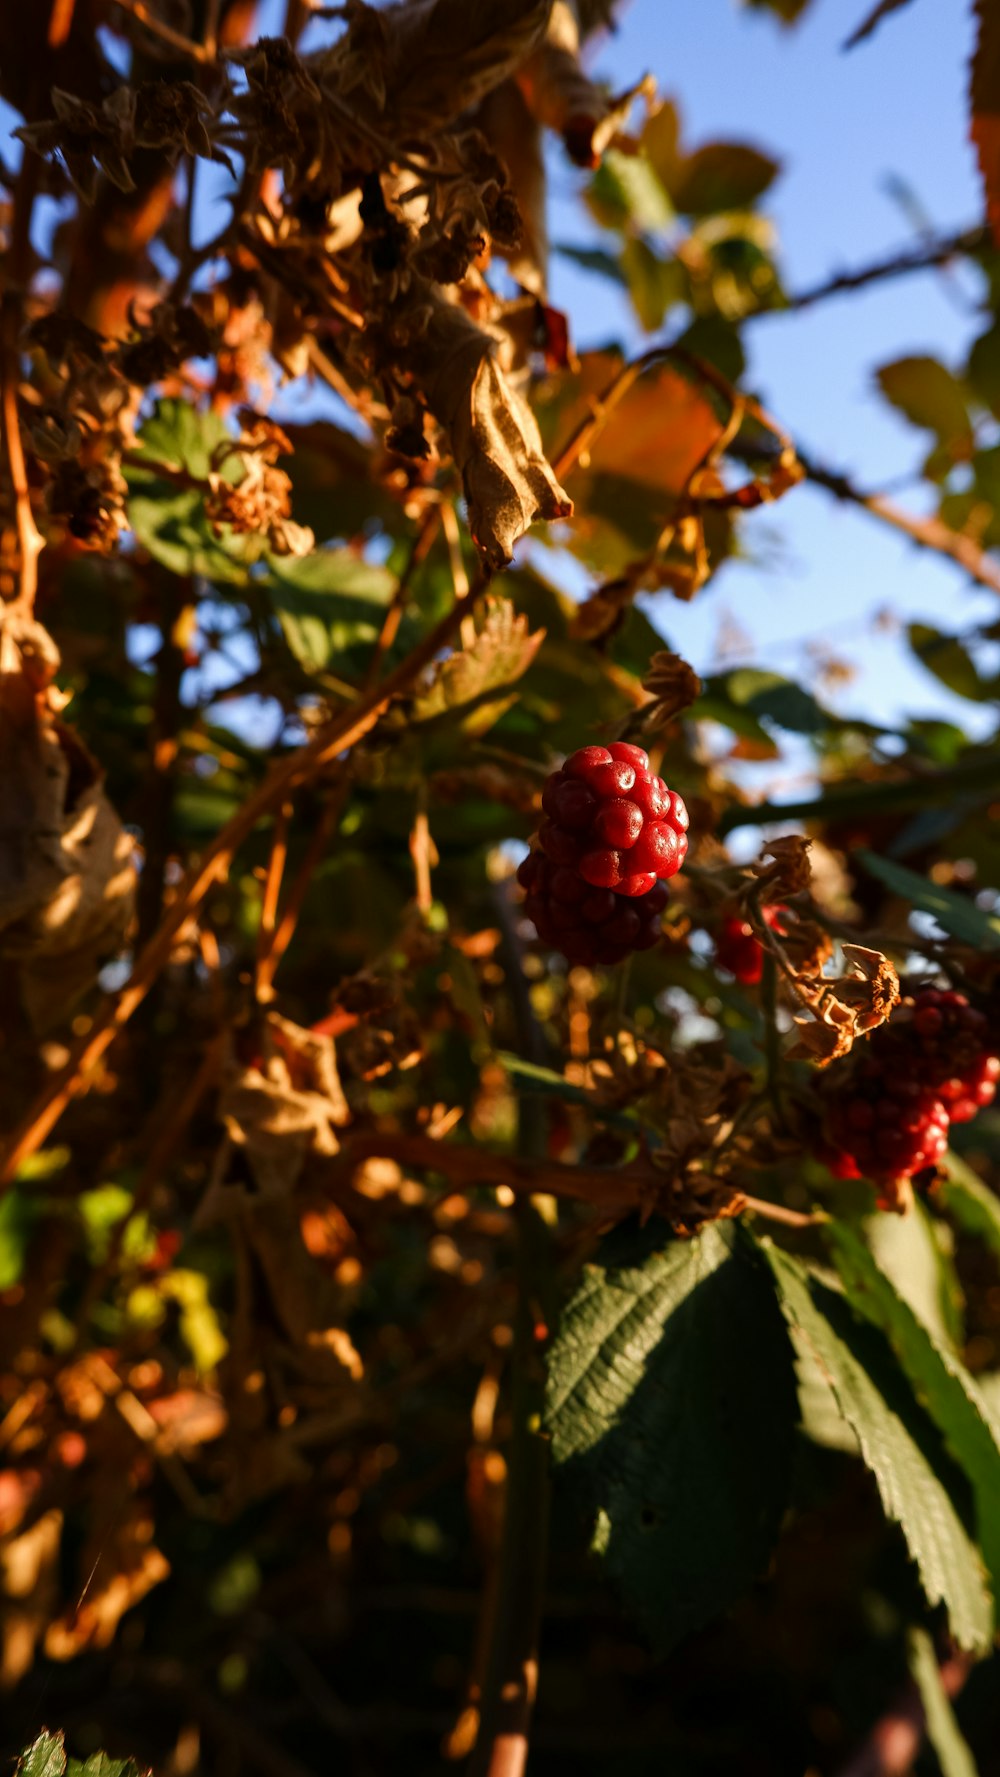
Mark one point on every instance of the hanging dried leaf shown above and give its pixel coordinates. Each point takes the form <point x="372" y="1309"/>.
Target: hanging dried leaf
<point x="672" y="684"/>
<point x="493" y="433"/>
<point x="67" y="879"/>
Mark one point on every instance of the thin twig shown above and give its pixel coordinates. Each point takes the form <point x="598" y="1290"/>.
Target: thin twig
<point x="156" y="27"/>
<point x="269" y="901"/>
<point x="30" y="542"/>
<point x="336" y="738"/>
<point x="929" y="533"/>
<point x="968" y="241"/>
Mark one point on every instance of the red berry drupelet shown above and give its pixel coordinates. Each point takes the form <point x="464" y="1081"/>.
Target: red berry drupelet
<point x="612" y="832"/>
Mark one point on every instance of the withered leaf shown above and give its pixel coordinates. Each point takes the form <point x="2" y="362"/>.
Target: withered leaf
<point x="494" y="436"/>
<point x="67" y="880"/>
<point x="500" y="653"/>
<point x="424" y="62"/>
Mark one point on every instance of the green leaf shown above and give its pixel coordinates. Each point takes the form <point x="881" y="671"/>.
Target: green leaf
<point x="898" y="1444"/>
<point x="950" y="662"/>
<point x="46" y="1757"/>
<point x="961" y="918"/>
<point x="495" y="659"/>
<point x="907" y="1251"/>
<point x="101" y="1764"/>
<point x="969" y="1202"/>
<point x="330" y="605"/>
<point x="594" y="259"/>
<point x="983" y="368"/>
<point x="938" y="1378"/>
<point x="929" y="395"/>
<point x="169" y="520"/>
<point x="721" y="176"/>
<point x="626" y="193"/>
<point x="718" y="341"/>
<point x="671" y="1407"/>
<point x="654" y="284"/>
<point x="747" y="691"/>
<point x="943" y="1731"/>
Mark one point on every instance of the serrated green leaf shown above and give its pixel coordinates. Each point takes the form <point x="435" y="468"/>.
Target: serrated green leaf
<point x="957" y="915"/>
<point x="929" y="396"/>
<point x="937" y="1376"/>
<point x="671" y="1408"/>
<point x="330" y="605"/>
<point x="101" y="1764"/>
<point x="953" y="1752"/>
<point x="906" y="1251"/>
<point x="45" y="1757"/>
<point x="503" y="650"/>
<point x="971" y="1203"/>
<point x="898" y="1443"/>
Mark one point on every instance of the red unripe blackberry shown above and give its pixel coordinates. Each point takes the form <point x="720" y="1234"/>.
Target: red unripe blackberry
<point x="888" y="1126"/>
<point x="613" y="830"/>
<point x="945" y="1045"/>
<point x="739" y="951"/>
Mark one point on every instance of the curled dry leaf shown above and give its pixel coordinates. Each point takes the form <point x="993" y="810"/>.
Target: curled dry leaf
<point x="494" y="436"/>
<point x="788" y="872"/>
<point x="845" y="1007"/>
<point x="67" y="880"/>
<point x="286" y="1108"/>
<point x="673" y="686"/>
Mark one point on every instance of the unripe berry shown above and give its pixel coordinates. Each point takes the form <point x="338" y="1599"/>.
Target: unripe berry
<point x="612" y="830"/>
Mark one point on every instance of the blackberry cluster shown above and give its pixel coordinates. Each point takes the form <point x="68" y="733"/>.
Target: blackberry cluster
<point x="613" y="831"/>
<point x="946" y="1045"/>
<point x="890" y="1117"/>
<point x="738" y="951"/>
<point x="885" y="1126"/>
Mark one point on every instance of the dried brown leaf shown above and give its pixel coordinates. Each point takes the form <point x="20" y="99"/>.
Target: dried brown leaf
<point x="67" y="880"/>
<point x="493" y="433"/>
<point x="561" y="95"/>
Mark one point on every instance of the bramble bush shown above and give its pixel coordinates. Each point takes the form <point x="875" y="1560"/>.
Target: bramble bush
<point x="490" y="1203"/>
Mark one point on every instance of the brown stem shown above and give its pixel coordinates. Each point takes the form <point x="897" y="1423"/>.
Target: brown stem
<point x="166" y="33"/>
<point x="966" y="241"/>
<point x="269" y="902"/>
<point x="929" y="533"/>
<point x="336" y="738"/>
<point x="161" y="781"/>
<point x="30" y="542"/>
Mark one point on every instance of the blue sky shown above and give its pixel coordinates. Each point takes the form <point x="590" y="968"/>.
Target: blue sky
<point x="843" y="125"/>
